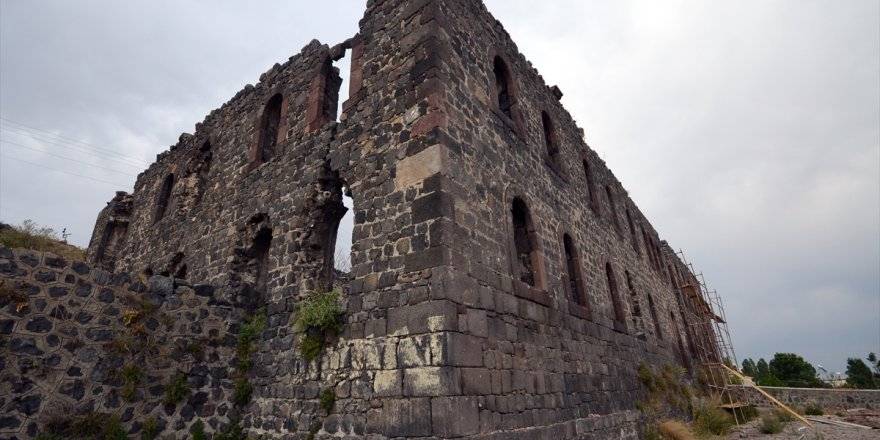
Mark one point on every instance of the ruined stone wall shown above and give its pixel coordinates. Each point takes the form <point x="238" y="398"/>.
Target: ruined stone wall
<point x="461" y="319"/>
<point x="80" y="342"/>
<point x="547" y="361"/>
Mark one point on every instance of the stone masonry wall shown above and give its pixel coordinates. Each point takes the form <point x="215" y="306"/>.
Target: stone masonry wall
<point x="70" y="331"/>
<point x="502" y="285"/>
<point x="828" y="399"/>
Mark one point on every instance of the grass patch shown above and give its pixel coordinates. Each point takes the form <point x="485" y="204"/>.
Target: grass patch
<point x="98" y="426"/>
<point x="668" y="395"/>
<point x="150" y="429"/>
<point x="30" y="235"/>
<point x="328" y="399"/>
<point x="248" y="333"/>
<point x="197" y="431"/>
<point x="176" y="390"/>
<point x="132" y="376"/>
<point x="710" y="419"/>
<point x="242" y="391"/>
<point x="675" y="430"/>
<point x="814" y="409"/>
<point x="770" y="424"/>
<point x="9" y="295"/>
<point x="318" y="317"/>
<point x="232" y="431"/>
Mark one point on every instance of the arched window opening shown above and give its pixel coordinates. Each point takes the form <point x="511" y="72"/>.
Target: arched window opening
<point x="259" y="253"/>
<point x="164" y="199"/>
<point x="327" y="247"/>
<point x="653" y="309"/>
<point x="681" y="353"/>
<point x="269" y="126"/>
<point x="344" y="236"/>
<point x="111" y="241"/>
<point x="590" y="185"/>
<point x="502" y="87"/>
<point x="619" y="314"/>
<point x="612" y="206"/>
<point x="632" y="233"/>
<point x="550" y="139"/>
<point x="634" y="299"/>
<point x="573" y="272"/>
<point x="527" y="257"/>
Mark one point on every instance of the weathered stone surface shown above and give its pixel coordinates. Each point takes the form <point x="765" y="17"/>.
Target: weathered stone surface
<point x="502" y="283"/>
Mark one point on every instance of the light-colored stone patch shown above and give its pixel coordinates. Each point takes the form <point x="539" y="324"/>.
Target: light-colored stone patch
<point x="418" y="167"/>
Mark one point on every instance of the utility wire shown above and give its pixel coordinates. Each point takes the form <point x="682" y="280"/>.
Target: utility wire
<point x="24" y="127"/>
<point x="66" y="158"/>
<point x="126" y="161"/>
<point x="62" y="171"/>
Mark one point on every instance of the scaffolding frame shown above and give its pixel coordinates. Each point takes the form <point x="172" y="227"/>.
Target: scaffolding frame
<point x="706" y="323"/>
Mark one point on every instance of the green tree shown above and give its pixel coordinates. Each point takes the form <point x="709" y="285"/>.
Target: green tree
<point x="794" y="371"/>
<point x="749" y="368"/>
<point x="859" y="375"/>
<point x="875" y="364"/>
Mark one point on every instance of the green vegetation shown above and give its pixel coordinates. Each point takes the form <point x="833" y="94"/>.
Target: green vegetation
<point x="177" y="389"/>
<point x="242" y="391"/>
<point x="97" y="426"/>
<point x="150" y="429"/>
<point x="770" y="424"/>
<point x="232" y="431"/>
<point x="318" y="317"/>
<point x="132" y="376"/>
<point x="197" y="430"/>
<point x="667" y="391"/>
<point x="711" y="419"/>
<point x="859" y="375"/>
<point x="30" y="235"/>
<point x="813" y="409"/>
<point x="248" y="333"/>
<point x="784" y="370"/>
<point x="328" y="399"/>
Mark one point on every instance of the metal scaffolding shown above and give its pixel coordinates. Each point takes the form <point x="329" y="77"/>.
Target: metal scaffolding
<point x="710" y="339"/>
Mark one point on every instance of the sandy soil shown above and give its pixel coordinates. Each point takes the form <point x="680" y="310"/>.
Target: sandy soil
<point x="820" y="431"/>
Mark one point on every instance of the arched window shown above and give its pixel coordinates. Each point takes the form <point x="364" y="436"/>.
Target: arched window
<point x="269" y="126"/>
<point x="632" y="233"/>
<point x="619" y="314"/>
<point x="654" y="317"/>
<point x="612" y="205"/>
<point x="591" y="187"/>
<point x="259" y="253"/>
<point x="634" y="299"/>
<point x="528" y="260"/>
<point x="164" y="198"/>
<point x="573" y="272"/>
<point x="550" y="139"/>
<point x="681" y="353"/>
<point x="503" y="91"/>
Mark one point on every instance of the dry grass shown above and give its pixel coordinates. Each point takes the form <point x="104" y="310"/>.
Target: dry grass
<point x="30" y="235"/>
<point x="675" y="430"/>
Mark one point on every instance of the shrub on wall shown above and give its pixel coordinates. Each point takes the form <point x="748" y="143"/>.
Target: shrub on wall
<point x="318" y="317"/>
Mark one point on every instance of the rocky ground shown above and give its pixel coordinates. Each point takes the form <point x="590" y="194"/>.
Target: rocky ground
<point x="797" y="430"/>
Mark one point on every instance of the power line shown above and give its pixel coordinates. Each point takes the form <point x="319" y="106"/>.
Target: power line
<point x="62" y="171"/>
<point x="24" y="127"/>
<point x="66" y="158"/>
<point x="93" y="153"/>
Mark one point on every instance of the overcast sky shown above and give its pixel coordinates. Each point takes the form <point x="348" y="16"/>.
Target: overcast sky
<point x="748" y="131"/>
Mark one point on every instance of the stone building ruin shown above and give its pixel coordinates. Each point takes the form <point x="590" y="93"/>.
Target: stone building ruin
<point x="503" y="285"/>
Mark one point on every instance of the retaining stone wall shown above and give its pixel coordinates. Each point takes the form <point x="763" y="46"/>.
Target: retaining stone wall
<point x="827" y="398"/>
